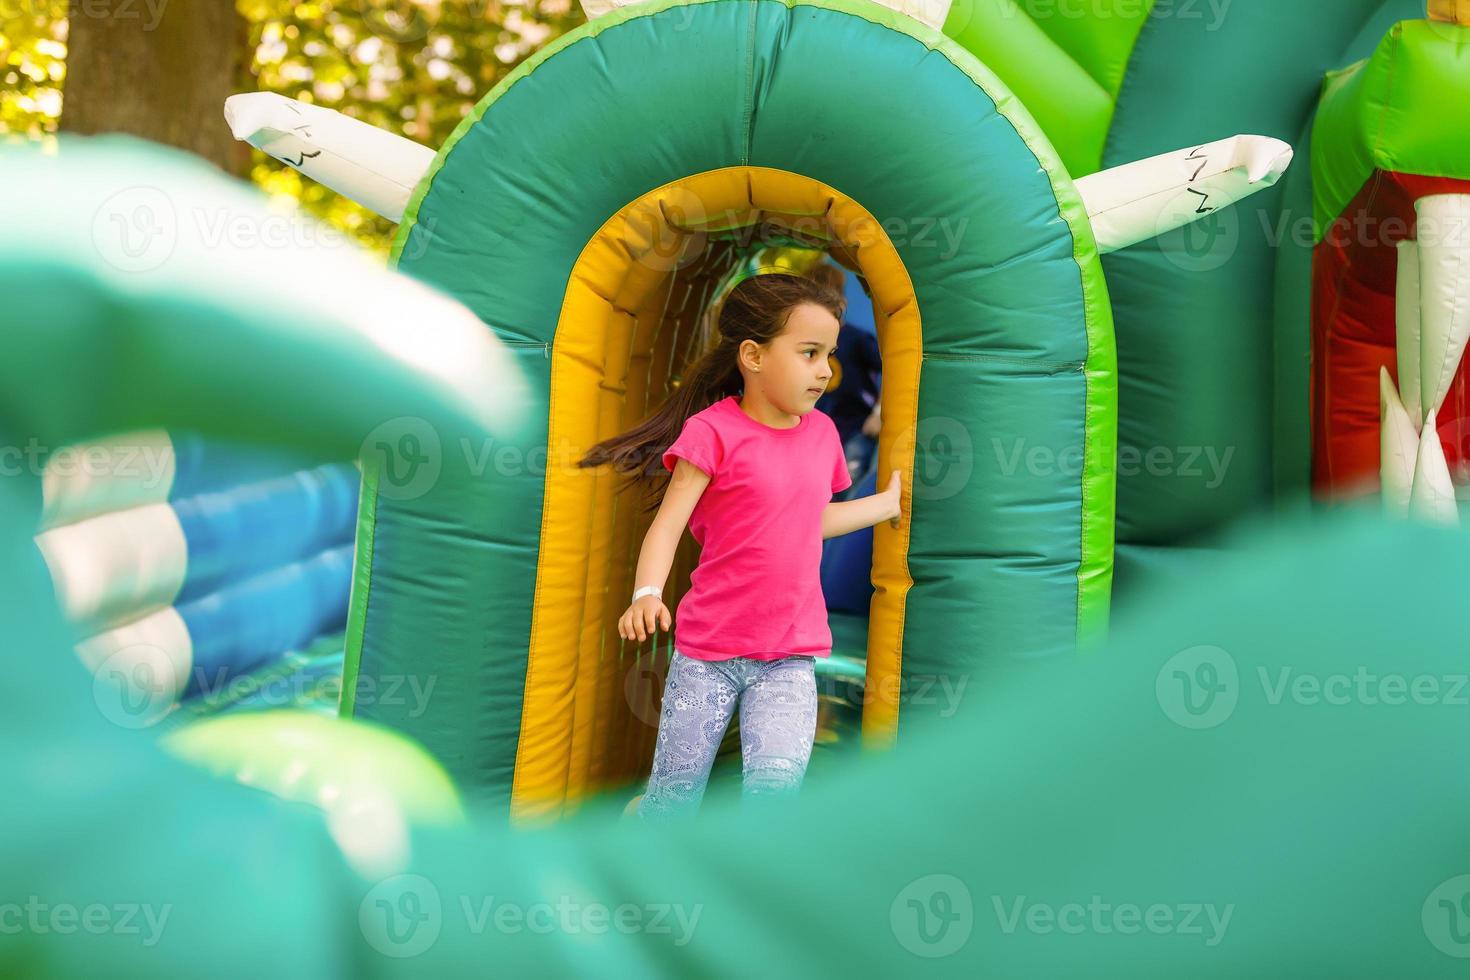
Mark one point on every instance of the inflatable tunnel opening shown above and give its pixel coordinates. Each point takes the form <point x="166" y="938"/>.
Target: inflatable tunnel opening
<point x="594" y="260"/>
<point x="636" y="312"/>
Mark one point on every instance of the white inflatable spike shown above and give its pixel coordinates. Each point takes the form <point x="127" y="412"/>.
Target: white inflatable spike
<point x="1444" y="292"/>
<point x="110" y="568"/>
<point x="1406" y="331"/>
<point x="372" y="166"/>
<point x="1150" y="197"/>
<point x="1433" y="498"/>
<point x="1398" y="447"/>
<point x="148" y="660"/>
<point x="930" y="12"/>
<point x="113" y="473"/>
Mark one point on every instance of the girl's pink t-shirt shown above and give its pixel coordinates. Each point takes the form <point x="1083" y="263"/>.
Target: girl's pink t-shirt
<point x="757" y="591"/>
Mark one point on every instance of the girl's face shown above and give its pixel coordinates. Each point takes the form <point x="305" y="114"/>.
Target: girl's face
<point x="795" y="367"/>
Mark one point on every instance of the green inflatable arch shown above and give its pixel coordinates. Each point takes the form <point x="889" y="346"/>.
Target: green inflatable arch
<point x="586" y="210"/>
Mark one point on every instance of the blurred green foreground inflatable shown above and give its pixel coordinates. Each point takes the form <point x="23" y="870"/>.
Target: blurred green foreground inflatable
<point x="1256" y="775"/>
<point x="1259" y="776"/>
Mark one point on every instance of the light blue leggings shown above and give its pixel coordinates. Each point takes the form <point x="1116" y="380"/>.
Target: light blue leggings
<point x="778" y="721"/>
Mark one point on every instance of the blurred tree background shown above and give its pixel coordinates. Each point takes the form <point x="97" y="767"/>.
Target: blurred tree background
<point x="415" y="67"/>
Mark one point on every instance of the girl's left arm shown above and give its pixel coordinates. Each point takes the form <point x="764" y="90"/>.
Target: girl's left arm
<point x="846" y="516"/>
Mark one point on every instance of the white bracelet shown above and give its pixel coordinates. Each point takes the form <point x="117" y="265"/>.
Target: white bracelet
<point x="653" y="590"/>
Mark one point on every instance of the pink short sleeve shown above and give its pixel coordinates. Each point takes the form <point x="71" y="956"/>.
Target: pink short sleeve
<point x="841" y="479"/>
<point x="697" y="443"/>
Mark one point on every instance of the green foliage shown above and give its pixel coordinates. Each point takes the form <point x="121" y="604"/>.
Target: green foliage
<point x="414" y="67"/>
<point x="32" y="66"/>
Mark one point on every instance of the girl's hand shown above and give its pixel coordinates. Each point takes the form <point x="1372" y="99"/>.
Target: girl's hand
<point x="894" y="497"/>
<point x="643" y="618"/>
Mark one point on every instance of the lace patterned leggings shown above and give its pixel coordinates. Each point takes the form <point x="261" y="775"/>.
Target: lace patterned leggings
<point x="778" y="721"/>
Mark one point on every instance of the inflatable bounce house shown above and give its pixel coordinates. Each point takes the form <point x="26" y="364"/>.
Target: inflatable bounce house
<point x="593" y="253"/>
<point x="1117" y="268"/>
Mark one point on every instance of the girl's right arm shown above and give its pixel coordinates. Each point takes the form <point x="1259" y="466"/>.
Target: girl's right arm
<point x="659" y="544"/>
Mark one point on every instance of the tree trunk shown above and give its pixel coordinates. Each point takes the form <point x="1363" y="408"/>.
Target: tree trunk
<point x="157" y="69"/>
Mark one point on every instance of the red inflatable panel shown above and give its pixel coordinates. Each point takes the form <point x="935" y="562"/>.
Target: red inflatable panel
<point x="1354" y="275"/>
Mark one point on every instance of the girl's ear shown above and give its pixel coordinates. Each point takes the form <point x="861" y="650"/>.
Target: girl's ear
<point x="748" y="357"/>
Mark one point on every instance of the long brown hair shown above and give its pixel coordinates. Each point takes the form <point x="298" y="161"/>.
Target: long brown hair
<point x="756" y="309"/>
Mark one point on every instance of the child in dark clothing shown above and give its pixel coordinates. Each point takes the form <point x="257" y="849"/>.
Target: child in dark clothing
<point x="851" y="399"/>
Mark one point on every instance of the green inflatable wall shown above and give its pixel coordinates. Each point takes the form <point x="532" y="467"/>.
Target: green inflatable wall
<point x="1212" y="345"/>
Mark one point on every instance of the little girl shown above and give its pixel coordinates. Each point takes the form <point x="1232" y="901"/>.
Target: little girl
<point x="754" y="469"/>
